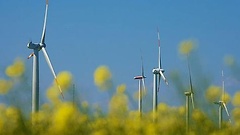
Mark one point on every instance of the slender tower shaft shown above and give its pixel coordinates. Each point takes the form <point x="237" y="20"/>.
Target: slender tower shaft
<point x="220" y="116"/>
<point x="155" y="100"/>
<point x="140" y="97"/>
<point x="187" y="112"/>
<point x="35" y="82"/>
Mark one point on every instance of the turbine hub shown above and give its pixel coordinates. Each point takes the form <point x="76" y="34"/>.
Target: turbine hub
<point x="32" y="45"/>
<point x="42" y="45"/>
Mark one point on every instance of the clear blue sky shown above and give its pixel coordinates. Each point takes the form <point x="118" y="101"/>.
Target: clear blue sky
<point x="81" y="35"/>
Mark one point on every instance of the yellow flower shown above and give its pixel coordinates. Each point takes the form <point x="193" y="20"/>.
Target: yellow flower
<point x="236" y="116"/>
<point x="15" y="70"/>
<point x="13" y="115"/>
<point x="162" y="107"/>
<point x="118" y="105"/>
<point x="181" y="110"/>
<point x="64" y="79"/>
<point x="102" y="78"/>
<point x="198" y="115"/>
<point x="213" y="93"/>
<point x="236" y="99"/>
<point x="226" y="97"/>
<point x="53" y="94"/>
<point x="121" y="88"/>
<point x="5" y="86"/>
<point x="63" y="117"/>
<point x="186" y="47"/>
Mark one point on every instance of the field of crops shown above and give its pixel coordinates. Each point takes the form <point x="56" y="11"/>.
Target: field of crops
<point x="65" y="117"/>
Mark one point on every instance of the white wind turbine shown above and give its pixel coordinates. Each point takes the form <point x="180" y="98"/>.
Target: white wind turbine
<point x="141" y="88"/>
<point x="157" y="74"/>
<point x="35" y="80"/>
<point x="221" y="104"/>
<point x="189" y="94"/>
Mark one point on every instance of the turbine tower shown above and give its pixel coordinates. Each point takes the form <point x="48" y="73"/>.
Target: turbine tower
<point x="221" y="104"/>
<point x="188" y="95"/>
<point x="36" y="47"/>
<point x="157" y="74"/>
<point x="140" y="88"/>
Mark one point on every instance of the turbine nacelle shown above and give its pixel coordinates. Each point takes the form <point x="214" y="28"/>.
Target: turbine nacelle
<point x="139" y="77"/>
<point x="157" y="70"/>
<point x="188" y="93"/>
<point x="32" y="45"/>
<point x="219" y="102"/>
<point x="35" y="46"/>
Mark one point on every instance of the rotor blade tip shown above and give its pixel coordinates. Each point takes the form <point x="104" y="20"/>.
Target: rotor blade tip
<point x="166" y="83"/>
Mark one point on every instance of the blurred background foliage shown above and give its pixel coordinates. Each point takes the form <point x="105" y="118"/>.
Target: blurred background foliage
<point x="73" y="116"/>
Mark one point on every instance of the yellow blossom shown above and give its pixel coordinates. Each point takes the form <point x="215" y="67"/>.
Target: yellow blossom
<point x="102" y="78"/>
<point x="64" y="79"/>
<point x="181" y="110"/>
<point x="121" y="88"/>
<point x="186" y="47"/>
<point x="213" y="93"/>
<point x="226" y="97"/>
<point x="198" y="115"/>
<point x="236" y="116"/>
<point x="5" y="86"/>
<point x="63" y="116"/>
<point x="118" y="105"/>
<point x="162" y="107"/>
<point x="13" y="115"/>
<point x="53" y="94"/>
<point x="236" y="99"/>
<point x="16" y="69"/>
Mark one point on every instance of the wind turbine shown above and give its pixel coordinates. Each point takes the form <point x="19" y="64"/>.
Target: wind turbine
<point x="189" y="94"/>
<point x="141" y="84"/>
<point x="35" y="80"/>
<point x="157" y="74"/>
<point x="221" y="104"/>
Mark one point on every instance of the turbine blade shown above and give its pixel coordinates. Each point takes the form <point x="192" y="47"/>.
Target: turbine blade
<point x="190" y="76"/>
<point x="225" y="107"/>
<point x="44" y="24"/>
<point x="30" y="55"/>
<point x="158" y="87"/>
<point x="142" y="68"/>
<point x="164" y="78"/>
<point x="144" y="88"/>
<point x="159" y="51"/>
<point x="192" y="100"/>
<point x="51" y="68"/>
<point x="143" y="76"/>
<point x="223" y="90"/>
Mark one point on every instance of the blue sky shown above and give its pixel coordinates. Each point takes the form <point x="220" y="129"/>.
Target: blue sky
<point x="81" y="35"/>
